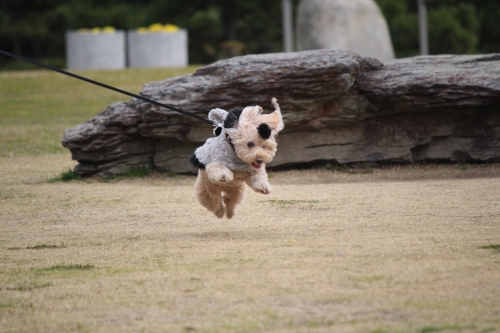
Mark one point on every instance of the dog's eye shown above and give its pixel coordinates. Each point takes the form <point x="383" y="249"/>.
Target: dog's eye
<point x="264" y="146"/>
<point x="250" y="144"/>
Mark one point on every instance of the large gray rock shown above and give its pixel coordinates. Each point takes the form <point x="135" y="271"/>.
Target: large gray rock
<point x="336" y="106"/>
<point x="349" y="25"/>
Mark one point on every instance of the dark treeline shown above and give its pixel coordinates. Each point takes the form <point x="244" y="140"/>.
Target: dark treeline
<point x="223" y="28"/>
<point x="455" y="26"/>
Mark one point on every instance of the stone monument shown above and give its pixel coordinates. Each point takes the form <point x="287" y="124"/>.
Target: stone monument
<point x="348" y="25"/>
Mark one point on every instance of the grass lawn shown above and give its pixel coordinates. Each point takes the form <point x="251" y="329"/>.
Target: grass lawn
<point x="36" y="107"/>
<point x="396" y="249"/>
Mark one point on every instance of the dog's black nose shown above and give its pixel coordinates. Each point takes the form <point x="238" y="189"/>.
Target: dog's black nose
<point x="259" y="160"/>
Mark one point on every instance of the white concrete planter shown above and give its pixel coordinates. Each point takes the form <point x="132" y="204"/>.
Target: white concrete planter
<point x="157" y="49"/>
<point x="95" y="50"/>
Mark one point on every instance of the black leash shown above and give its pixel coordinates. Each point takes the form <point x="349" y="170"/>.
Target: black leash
<point x="170" y="107"/>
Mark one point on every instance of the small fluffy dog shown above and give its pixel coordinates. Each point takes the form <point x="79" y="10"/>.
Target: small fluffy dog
<point x="244" y="143"/>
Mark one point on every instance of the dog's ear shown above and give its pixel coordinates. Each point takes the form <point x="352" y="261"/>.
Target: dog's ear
<point x="217" y="115"/>
<point x="274" y="120"/>
<point x="250" y="114"/>
<point x="264" y="131"/>
<point x="232" y="118"/>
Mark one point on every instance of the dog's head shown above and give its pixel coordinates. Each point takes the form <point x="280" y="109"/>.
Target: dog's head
<point x="253" y="134"/>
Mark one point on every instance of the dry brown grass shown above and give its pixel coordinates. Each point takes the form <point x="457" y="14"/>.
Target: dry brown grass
<point x="395" y="250"/>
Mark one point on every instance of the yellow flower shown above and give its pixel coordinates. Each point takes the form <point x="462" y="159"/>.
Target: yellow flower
<point x="156" y="27"/>
<point x="170" y="28"/>
<point x="96" y="30"/>
<point x="142" y="30"/>
<point x="108" y="30"/>
<point x="83" y="31"/>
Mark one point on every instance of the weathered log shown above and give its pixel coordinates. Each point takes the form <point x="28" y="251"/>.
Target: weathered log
<point x="337" y="106"/>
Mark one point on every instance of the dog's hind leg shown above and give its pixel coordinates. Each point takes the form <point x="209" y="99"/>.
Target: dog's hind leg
<point x="209" y="195"/>
<point x="232" y="197"/>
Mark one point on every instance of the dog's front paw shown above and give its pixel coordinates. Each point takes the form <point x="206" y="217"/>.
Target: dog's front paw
<point x="225" y="177"/>
<point x="219" y="174"/>
<point x="265" y="189"/>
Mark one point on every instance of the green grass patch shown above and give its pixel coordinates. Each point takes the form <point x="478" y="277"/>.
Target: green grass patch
<point x="367" y="278"/>
<point x="76" y="267"/>
<point x="337" y="167"/>
<point x="488" y="330"/>
<point x="495" y="247"/>
<point x="170" y="174"/>
<point x="65" y="176"/>
<point x="37" y="247"/>
<point x="28" y="287"/>
<point x="6" y="194"/>
<point x="137" y="172"/>
<point x="453" y="328"/>
<point x="45" y="246"/>
<point x="291" y="202"/>
<point x="345" y="168"/>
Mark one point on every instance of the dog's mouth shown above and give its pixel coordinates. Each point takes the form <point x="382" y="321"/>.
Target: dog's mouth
<point x="259" y="161"/>
<point x="256" y="165"/>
